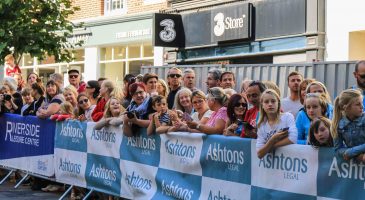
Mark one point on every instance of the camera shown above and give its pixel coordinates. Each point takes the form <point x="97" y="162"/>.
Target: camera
<point x="7" y="97"/>
<point x="130" y="114"/>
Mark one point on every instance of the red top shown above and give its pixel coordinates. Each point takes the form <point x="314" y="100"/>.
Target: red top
<point x="250" y="117"/>
<point x="82" y="87"/>
<point x="12" y="72"/>
<point x="98" y="112"/>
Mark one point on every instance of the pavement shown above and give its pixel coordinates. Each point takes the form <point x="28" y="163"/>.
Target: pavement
<point x="7" y="191"/>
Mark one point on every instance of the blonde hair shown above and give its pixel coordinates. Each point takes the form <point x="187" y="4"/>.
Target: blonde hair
<point x="263" y="115"/>
<point x="346" y="98"/>
<point x="164" y="85"/>
<point x="273" y="86"/>
<point x="219" y="95"/>
<point x="321" y="100"/>
<point x="177" y="104"/>
<point x="327" y="95"/>
<point x="67" y="108"/>
<point x="305" y="83"/>
<point x="71" y="89"/>
<point x="9" y="57"/>
<point x="107" y="112"/>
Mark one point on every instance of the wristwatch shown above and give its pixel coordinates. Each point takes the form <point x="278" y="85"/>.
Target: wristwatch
<point x="197" y="127"/>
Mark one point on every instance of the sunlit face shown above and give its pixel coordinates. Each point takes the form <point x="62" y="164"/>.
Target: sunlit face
<point x="198" y="103"/>
<point x="160" y="89"/>
<point x="6" y="89"/>
<point x="139" y="96"/>
<point x="84" y="103"/>
<point x="240" y="107"/>
<point x="151" y="85"/>
<point x="114" y="107"/>
<point x="32" y="79"/>
<point x="316" y="89"/>
<point x="74" y="78"/>
<point x="253" y="95"/>
<point x="313" y="108"/>
<point x="228" y="81"/>
<point x="211" y="82"/>
<point x="174" y="77"/>
<point x="355" y="109"/>
<point x="18" y="78"/>
<point x="323" y="134"/>
<point x="189" y="80"/>
<point x="302" y="91"/>
<point x="294" y="82"/>
<point x="270" y="104"/>
<point x="51" y="90"/>
<point x="184" y="99"/>
<point x="160" y="106"/>
<point x="70" y="97"/>
<point x="28" y="99"/>
<point x="103" y="90"/>
<point x="89" y="91"/>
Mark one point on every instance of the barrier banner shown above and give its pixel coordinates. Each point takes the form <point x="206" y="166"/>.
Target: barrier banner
<point x="27" y="143"/>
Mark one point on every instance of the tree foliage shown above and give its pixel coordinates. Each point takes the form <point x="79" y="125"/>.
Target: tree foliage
<point x="37" y="27"/>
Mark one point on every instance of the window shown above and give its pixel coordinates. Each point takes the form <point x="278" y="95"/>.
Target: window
<point x="113" y="7"/>
<point x="148" y="2"/>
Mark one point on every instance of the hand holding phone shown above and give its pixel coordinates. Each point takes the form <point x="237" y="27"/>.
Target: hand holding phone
<point x="186" y="117"/>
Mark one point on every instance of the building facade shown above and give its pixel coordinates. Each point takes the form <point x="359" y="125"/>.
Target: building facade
<point x="245" y="32"/>
<point x="117" y="38"/>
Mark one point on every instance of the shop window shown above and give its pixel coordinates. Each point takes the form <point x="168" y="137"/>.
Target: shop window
<point x="148" y="51"/>
<point x="135" y="66"/>
<point x="113" y="71"/>
<point x="48" y="60"/>
<point x="134" y="51"/>
<point x="106" y="53"/>
<point x="27" y="60"/>
<point x="120" y="52"/>
<point x="79" y="55"/>
<point x="113" y="7"/>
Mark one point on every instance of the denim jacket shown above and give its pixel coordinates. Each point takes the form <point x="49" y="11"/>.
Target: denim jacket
<point x="351" y="137"/>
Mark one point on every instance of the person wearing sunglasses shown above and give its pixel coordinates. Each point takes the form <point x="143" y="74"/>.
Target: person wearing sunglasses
<point x="85" y="109"/>
<point x="74" y="78"/>
<point x="359" y="74"/>
<point x="174" y="81"/>
<point x="236" y="110"/>
<point x="93" y="91"/>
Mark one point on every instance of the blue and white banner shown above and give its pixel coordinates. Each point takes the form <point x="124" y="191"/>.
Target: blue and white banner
<point x="27" y="143"/>
<point x="178" y="165"/>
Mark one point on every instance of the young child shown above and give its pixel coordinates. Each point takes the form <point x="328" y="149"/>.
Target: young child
<point x="319" y="133"/>
<point x="27" y="99"/>
<point x="163" y="119"/>
<point x="275" y="129"/>
<point x="315" y="105"/>
<point x="66" y="112"/>
<point x="10" y="68"/>
<point x="348" y="125"/>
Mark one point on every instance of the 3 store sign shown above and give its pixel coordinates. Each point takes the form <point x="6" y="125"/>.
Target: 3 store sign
<point x="223" y="23"/>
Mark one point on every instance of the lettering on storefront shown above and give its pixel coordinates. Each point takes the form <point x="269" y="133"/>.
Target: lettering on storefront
<point x="133" y="34"/>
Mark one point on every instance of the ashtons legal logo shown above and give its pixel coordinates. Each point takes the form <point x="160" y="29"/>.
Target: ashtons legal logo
<point x="103" y="135"/>
<point x="99" y="171"/>
<point x="226" y="23"/>
<point x="146" y="144"/>
<point x="69" y="131"/>
<point x="291" y="166"/>
<point x="348" y="170"/>
<point x="225" y="155"/>
<point x="173" y="190"/>
<point x="138" y="182"/>
<point x="68" y="166"/>
<point x="217" y="196"/>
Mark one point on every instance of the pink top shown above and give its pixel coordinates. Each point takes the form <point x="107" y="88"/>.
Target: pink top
<point x="220" y="114"/>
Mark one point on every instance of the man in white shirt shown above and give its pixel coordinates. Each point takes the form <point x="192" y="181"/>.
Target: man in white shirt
<point x="292" y="103"/>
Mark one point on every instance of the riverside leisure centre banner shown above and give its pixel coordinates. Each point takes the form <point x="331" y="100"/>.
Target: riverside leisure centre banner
<point x="196" y="166"/>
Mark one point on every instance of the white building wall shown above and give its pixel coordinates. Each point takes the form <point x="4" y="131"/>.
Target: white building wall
<point x="342" y="17"/>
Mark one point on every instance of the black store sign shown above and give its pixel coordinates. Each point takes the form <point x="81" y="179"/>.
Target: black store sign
<point x="231" y="23"/>
<point x="168" y="30"/>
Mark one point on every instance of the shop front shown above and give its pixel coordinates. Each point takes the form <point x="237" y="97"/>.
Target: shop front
<point x="112" y="47"/>
<point x="272" y="31"/>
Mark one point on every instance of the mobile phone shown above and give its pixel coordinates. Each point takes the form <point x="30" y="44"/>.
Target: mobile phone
<point x="285" y="129"/>
<point x="248" y="126"/>
<point x="130" y="114"/>
<point x="187" y="117"/>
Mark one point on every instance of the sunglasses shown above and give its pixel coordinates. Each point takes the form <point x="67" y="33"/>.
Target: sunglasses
<point x="241" y="104"/>
<point x="83" y="101"/>
<point x="89" y="87"/>
<point x="174" y="75"/>
<point x="73" y="76"/>
<point x="361" y="76"/>
<point x="197" y="102"/>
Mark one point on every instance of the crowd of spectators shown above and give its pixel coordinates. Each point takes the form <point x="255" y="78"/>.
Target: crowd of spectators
<point x="306" y="116"/>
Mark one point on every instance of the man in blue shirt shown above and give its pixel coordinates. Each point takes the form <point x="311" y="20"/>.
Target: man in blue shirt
<point x="359" y="74"/>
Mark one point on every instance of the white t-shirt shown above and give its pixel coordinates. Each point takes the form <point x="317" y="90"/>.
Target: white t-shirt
<point x="195" y="115"/>
<point x="265" y="131"/>
<point x="291" y="106"/>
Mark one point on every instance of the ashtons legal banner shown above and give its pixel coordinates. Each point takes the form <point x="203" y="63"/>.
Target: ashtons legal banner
<point x="177" y="165"/>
